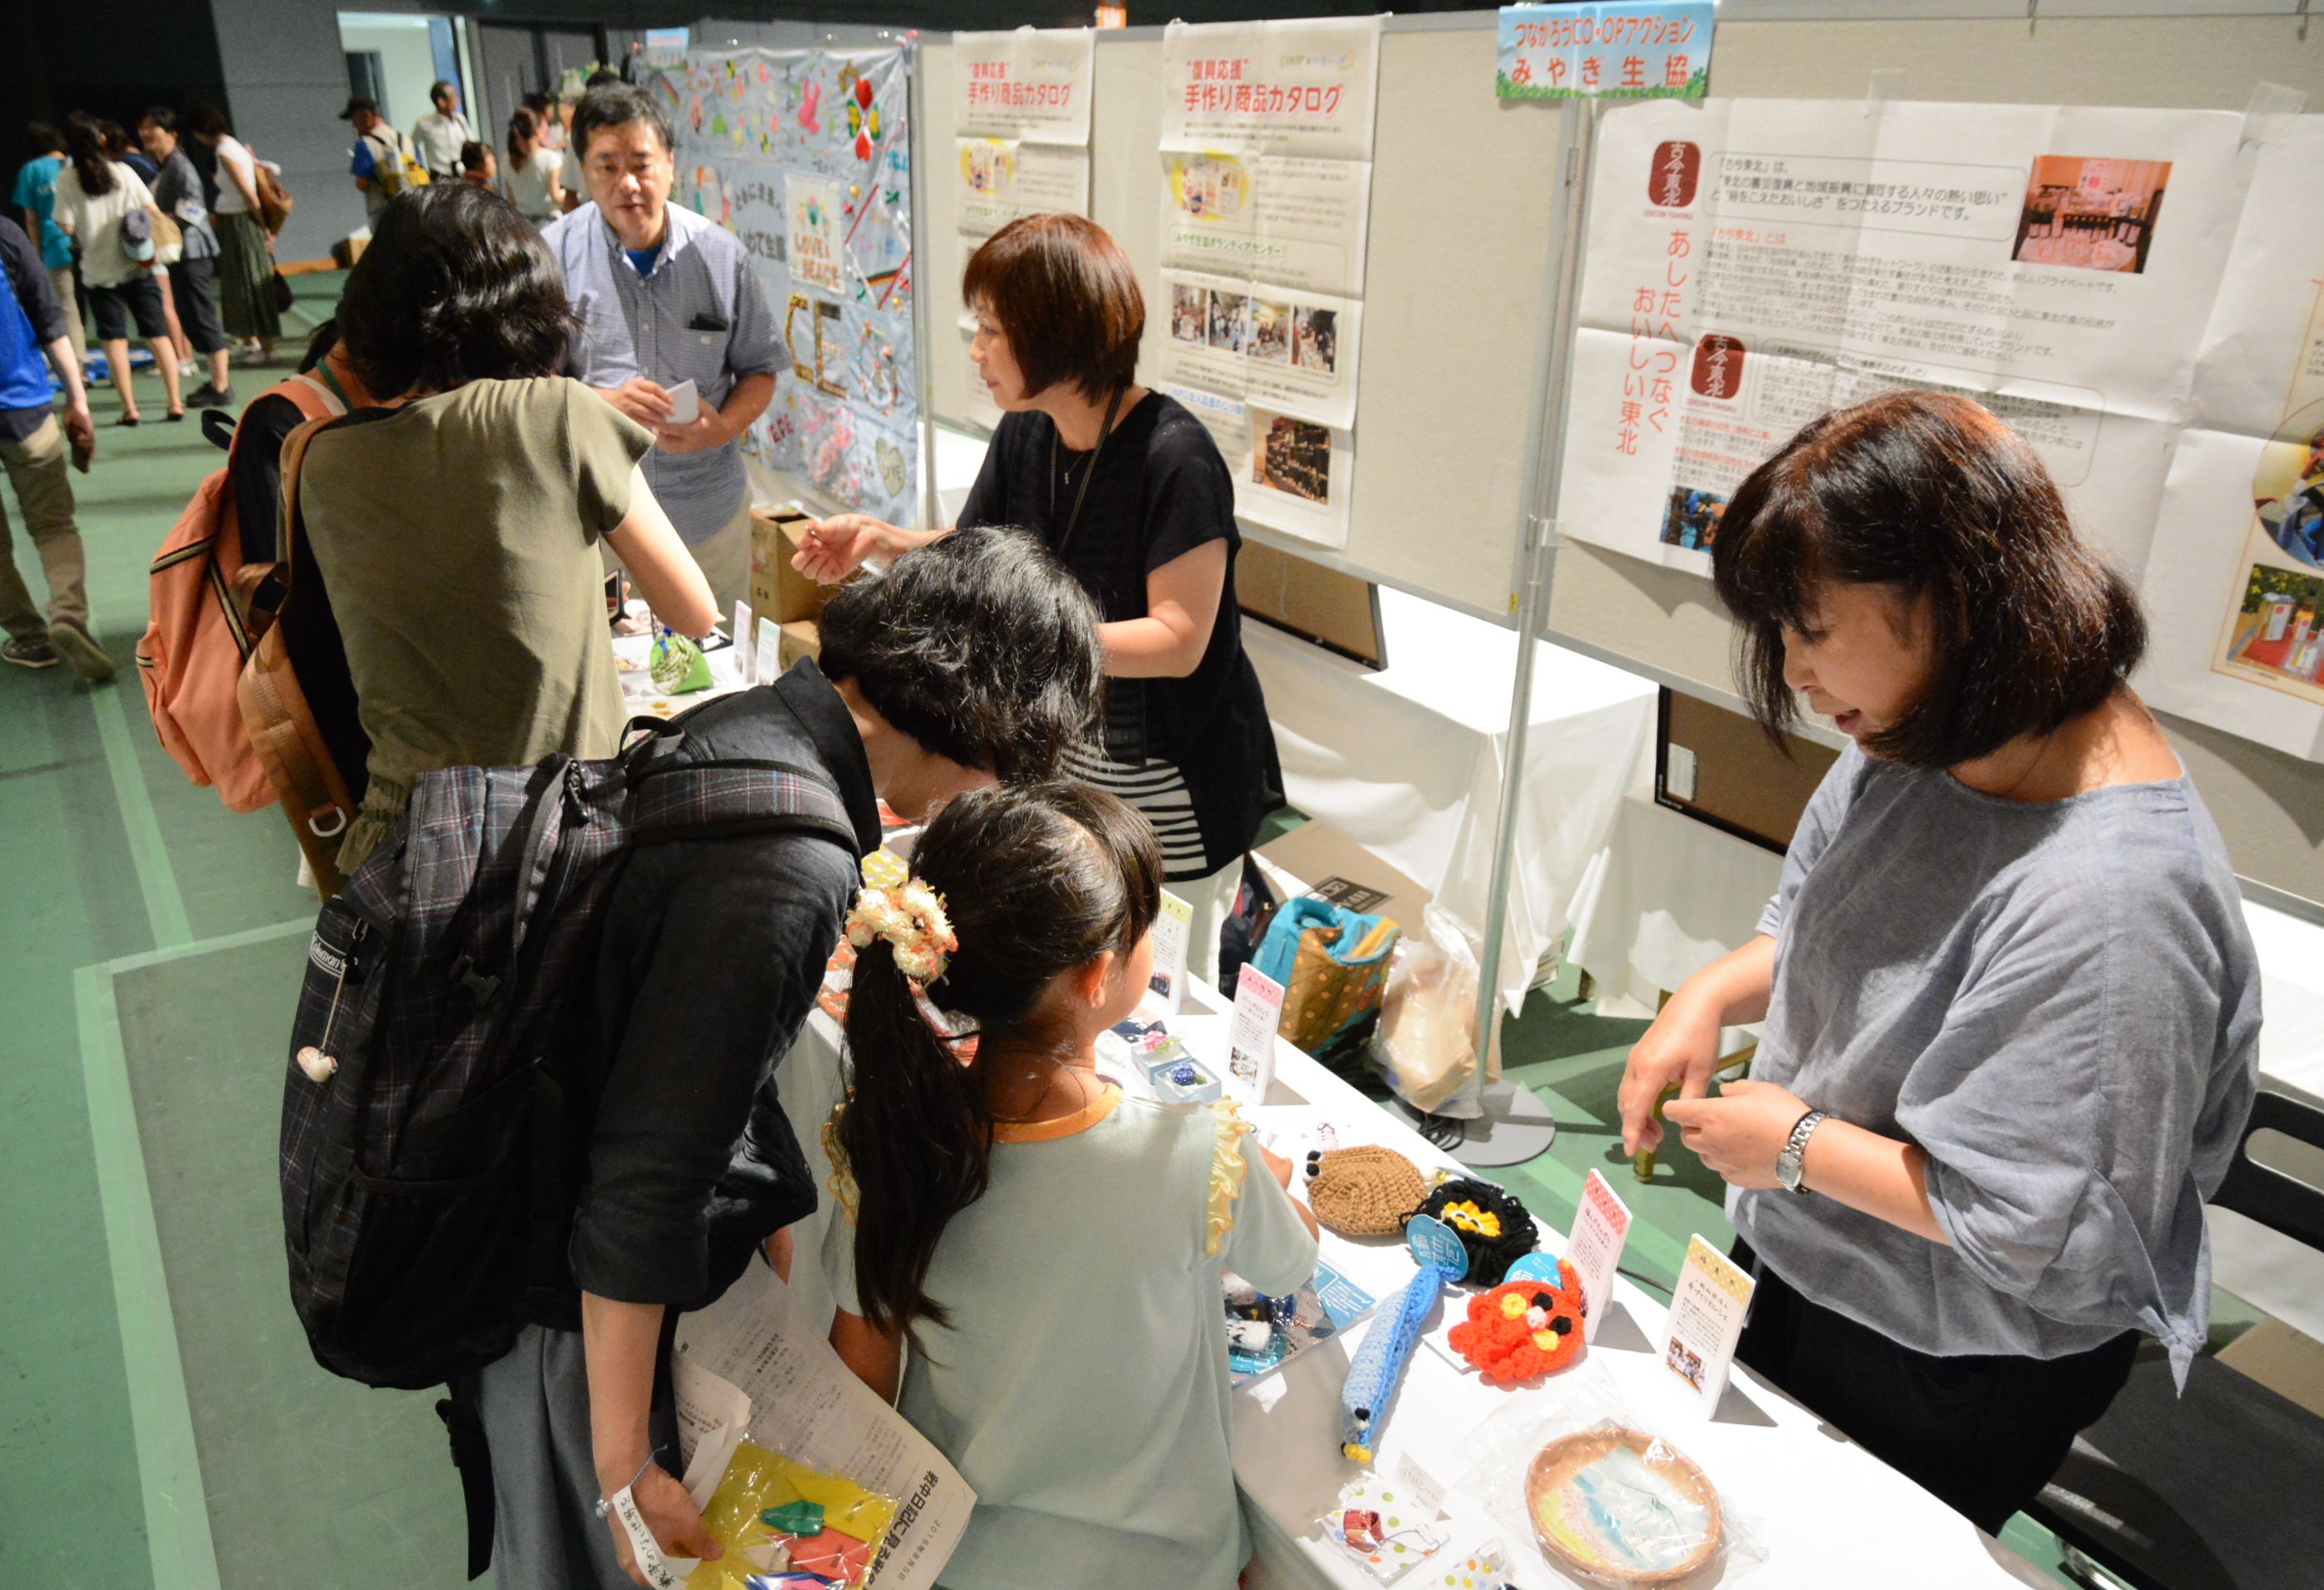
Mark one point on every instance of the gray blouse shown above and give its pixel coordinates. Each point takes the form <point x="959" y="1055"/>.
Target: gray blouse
<point x="2060" y="1003"/>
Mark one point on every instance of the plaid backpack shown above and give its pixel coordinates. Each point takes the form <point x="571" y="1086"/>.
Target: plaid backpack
<point x="425" y="1125"/>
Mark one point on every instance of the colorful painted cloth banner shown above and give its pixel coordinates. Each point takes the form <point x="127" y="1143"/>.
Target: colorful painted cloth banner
<point x="806" y="156"/>
<point x="1606" y="51"/>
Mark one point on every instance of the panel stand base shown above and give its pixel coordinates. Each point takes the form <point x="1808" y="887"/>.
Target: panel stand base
<point x="1516" y="1126"/>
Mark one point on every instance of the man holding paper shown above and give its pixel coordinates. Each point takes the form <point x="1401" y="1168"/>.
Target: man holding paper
<point x="676" y="331"/>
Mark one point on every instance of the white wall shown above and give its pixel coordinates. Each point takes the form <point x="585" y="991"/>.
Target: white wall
<point x="407" y="60"/>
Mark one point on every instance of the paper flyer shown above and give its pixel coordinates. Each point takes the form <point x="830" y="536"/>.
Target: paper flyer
<point x="1316" y="1312"/>
<point x="1706" y="1310"/>
<point x="1003" y="178"/>
<point x="1270" y="218"/>
<point x="1753" y="264"/>
<point x="1265" y="151"/>
<point x="804" y="1404"/>
<point x="1291" y="474"/>
<point x="2234" y="587"/>
<point x="1601" y="1224"/>
<point x="1031" y="83"/>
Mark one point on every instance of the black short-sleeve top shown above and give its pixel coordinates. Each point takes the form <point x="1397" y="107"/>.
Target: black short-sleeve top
<point x="1160" y="490"/>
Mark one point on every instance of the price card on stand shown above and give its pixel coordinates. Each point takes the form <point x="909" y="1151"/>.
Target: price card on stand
<point x="1600" y="1226"/>
<point x="1706" y="1315"/>
<point x="766" y="655"/>
<point x="1251" y="1035"/>
<point x="746" y="643"/>
<point x="1174" y="926"/>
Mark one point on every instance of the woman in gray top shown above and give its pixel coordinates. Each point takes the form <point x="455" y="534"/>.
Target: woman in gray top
<point x="2012" y="1008"/>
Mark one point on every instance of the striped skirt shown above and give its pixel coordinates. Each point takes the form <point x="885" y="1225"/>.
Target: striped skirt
<point x="246" y="278"/>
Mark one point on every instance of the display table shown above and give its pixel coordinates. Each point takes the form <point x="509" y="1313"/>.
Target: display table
<point x="1825" y="1511"/>
<point x="1408" y="760"/>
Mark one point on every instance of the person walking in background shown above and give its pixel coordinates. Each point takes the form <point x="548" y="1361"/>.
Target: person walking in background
<point x="440" y="133"/>
<point x="35" y="198"/>
<point x="534" y="181"/>
<point x="95" y="197"/>
<point x="245" y="268"/>
<point x="32" y="448"/>
<point x="193" y="277"/>
<point x="378" y="161"/>
<point x="119" y="147"/>
<point x="478" y="167"/>
<point x="668" y="298"/>
<point x="555" y="119"/>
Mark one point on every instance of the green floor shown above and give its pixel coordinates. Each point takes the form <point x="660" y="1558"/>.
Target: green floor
<point x="160" y="1423"/>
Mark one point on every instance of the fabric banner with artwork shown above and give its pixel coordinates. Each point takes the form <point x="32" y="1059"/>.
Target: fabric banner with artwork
<point x="2133" y="292"/>
<point x="1021" y="111"/>
<point x="806" y="156"/>
<point x="1266" y="149"/>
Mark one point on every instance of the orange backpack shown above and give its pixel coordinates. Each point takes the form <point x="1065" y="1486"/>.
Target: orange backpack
<point x="200" y="636"/>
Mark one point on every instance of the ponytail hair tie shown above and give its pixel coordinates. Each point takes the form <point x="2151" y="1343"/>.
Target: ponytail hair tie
<point x="912" y="920"/>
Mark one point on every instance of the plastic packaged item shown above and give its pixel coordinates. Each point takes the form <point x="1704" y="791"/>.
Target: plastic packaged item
<point x="677" y="665"/>
<point x="1185" y="1081"/>
<point x="1427" y="1046"/>
<point x="779" y="1518"/>
<point x="1380" y="1527"/>
<point x="1605" y="1499"/>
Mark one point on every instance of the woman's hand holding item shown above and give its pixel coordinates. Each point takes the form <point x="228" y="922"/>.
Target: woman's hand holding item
<point x="835" y="547"/>
<point x="669" y="1512"/>
<point x="1740" y="1133"/>
<point x="1681" y="1049"/>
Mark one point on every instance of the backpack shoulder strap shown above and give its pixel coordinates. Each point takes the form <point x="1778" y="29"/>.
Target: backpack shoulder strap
<point x="712" y="799"/>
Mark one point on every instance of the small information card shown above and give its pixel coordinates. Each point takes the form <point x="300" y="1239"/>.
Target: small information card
<point x="1706" y="1315"/>
<point x="1600" y="1226"/>
<point x="1173" y="929"/>
<point x="1251" y="1034"/>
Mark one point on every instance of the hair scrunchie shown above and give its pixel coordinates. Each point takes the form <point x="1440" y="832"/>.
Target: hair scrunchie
<point x="912" y="920"/>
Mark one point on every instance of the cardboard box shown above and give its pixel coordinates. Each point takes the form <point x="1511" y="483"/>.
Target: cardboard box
<point x="777" y="590"/>
<point x="799" y="639"/>
<point x="348" y="250"/>
<point x="2286" y="1362"/>
<point x="1329" y="864"/>
<point x="1715" y="764"/>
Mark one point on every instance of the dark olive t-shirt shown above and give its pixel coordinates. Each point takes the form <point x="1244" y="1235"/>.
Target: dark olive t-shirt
<point x="1160" y="492"/>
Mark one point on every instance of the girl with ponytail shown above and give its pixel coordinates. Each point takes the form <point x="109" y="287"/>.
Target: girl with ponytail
<point x="1052" y="1249"/>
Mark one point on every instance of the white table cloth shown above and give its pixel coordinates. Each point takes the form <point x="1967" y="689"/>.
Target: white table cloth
<point x="1825" y="1511"/>
<point x="1408" y="760"/>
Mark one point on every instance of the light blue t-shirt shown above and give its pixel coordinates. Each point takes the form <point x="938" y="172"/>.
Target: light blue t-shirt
<point x="1081" y="1386"/>
<point x="36" y="191"/>
<point x="2059" y="1002"/>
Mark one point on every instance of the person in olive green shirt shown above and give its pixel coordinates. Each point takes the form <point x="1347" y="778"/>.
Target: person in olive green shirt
<point x="457" y="530"/>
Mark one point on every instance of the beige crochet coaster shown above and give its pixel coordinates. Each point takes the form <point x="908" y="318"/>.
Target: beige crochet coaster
<point x="1367" y="1191"/>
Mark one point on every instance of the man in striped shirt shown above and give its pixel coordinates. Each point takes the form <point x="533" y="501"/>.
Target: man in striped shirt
<point x="664" y="297"/>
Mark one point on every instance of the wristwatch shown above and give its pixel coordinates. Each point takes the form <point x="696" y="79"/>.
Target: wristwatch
<point x="1792" y="1161"/>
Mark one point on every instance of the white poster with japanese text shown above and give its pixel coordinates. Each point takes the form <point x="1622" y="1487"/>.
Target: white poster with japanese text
<point x="2234" y="587"/>
<point x="1265" y="147"/>
<point x="1278" y="219"/>
<point x="1753" y="264"/>
<point x="1031" y="83"/>
<point x="1272" y="87"/>
<point x="1022" y="111"/>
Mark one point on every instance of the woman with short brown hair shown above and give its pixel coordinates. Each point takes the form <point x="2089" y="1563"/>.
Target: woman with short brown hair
<point x="1127" y="487"/>
<point x="2011" y="1007"/>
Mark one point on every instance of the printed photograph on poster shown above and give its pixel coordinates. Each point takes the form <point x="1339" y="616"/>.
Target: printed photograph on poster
<point x="1031" y="83"/>
<point x="1290" y="474"/>
<point x="1302" y="88"/>
<point x="1757" y="286"/>
<point x="1001" y="179"/>
<point x="1294" y="352"/>
<point x="2090" y="214"/>
<point x="2274" y="637"/>
<point x="1293" y="223"/>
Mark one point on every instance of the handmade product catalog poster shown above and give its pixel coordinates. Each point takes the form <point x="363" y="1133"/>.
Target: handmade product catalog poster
<point x="805" y="155"/>
<point x="2234" y="587"/>
<point x="1022" y="103"/>
<point x="1753" y="264"/>
<point x="1266" y="150"/>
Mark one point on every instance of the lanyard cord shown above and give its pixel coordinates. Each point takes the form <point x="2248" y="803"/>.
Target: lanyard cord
<point x="1113" y="407"/>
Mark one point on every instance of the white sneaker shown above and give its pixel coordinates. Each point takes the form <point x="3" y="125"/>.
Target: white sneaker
<point x="187" y="367"/>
